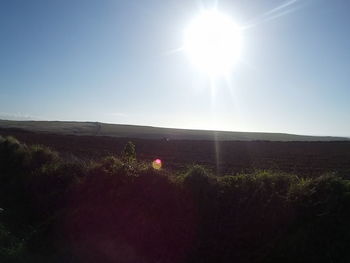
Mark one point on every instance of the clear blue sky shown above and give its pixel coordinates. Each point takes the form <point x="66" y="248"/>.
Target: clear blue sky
<point x="112" y="61"/>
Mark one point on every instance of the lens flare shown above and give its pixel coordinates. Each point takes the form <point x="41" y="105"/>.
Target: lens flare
<point x="157" y="164"/>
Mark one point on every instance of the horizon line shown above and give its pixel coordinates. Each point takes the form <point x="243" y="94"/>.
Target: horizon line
<point x="177" y="128"/>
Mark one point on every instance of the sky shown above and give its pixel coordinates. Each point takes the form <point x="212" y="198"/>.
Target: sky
<point x="121" y="62"/>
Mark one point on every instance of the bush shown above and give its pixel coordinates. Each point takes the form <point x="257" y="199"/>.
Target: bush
<point x="123" y="216"/>
<point x="14" y="156"/>
<point x="129" y="153"/>
<point x="122" y="210"/>
<point x="321" y="230"/>
<point x="42" y="157"/>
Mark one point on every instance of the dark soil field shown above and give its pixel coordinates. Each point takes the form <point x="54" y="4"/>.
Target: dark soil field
<point x="224" y="157"/>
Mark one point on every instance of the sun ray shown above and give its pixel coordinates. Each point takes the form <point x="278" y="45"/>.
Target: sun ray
<point x="276" y="12"/>
<point x="173" y="51"/>
<point x="280" y="7"/>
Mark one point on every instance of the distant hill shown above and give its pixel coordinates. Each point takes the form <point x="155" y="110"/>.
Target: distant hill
<point x="148" y="132"/>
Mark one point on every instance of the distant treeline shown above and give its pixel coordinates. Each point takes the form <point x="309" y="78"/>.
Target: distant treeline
<point x="120" y="209"/>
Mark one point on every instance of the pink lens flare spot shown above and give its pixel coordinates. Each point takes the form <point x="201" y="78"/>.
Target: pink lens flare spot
<point x="157" y="164"/>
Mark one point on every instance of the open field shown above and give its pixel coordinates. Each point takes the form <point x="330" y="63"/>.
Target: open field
<point x="148" y="132"/>
<point x="224" y="157"/>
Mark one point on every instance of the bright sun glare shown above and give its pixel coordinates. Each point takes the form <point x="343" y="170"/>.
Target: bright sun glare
<point x="213" y="42"/>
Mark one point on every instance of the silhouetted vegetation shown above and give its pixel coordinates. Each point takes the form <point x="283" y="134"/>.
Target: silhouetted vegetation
<point x="119" y="209"/>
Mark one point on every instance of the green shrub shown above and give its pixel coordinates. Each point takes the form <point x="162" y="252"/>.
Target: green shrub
<point x="196" y="179"/>
<point x="129" y="153"/>
<point x="42" y="156"/>
<point x="321" y="229"/>
<point x="14" y="156"/>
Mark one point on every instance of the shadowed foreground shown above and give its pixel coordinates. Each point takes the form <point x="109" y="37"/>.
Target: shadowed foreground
<point x="119" y="209"/>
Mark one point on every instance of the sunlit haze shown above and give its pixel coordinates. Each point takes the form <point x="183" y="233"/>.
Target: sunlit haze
<point x="213" y="42"/>
<point x="265" y="66"/>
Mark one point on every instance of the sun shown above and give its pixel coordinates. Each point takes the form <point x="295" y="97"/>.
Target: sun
<point x="213" y="42"/>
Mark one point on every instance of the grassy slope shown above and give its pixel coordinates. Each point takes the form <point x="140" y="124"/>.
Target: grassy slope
<point x="147" y="132"/>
